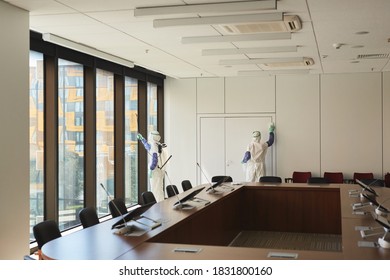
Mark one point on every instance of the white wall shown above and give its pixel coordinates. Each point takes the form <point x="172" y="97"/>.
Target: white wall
<point x="386" y="122"/>
<point x="14" y="127"/>
<point x="351" y="123"/>
<point x="250" y="94"/>
<point x="297" y="124"/>
<point x="337" y="122"/>
<point x="180" y="129"/>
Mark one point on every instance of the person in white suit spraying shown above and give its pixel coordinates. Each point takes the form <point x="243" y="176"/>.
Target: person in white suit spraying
<point x="254" y="157"/>
<point x="158" y="158"/>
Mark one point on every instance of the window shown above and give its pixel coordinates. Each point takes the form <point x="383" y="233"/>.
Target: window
<point x="105" y="159"/>
<point x="70" y="142"/>
<point x="152" y="107"/>
<point x="131" y="142"/>
<point x="37" y="145"/>
<point x="151" y="112"/>
<point x="84" y="120"/>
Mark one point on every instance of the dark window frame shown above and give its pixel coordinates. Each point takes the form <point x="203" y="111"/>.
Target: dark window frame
<point x="51" y="54"/>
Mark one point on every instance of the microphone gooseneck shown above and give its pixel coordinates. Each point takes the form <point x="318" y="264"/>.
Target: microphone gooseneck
<point x="201" y="170"/>
<point x="173" y="189"/>
<point x="113" y="203"/>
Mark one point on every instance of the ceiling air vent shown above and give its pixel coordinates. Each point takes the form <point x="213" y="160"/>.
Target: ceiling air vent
<point x="373" y="56"/>
<point x="288" y="24"/>
<point x="305" y="62"/>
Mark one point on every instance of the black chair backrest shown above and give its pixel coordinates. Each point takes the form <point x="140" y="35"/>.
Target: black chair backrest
<point x="317" y="180"/>
<point x="148" y="197"/>
<point x="172" y="190"/>
<point x="373" y="182"/>
<point x="186" y="185"/>
<point x="270" y="179"/>
<point x="46" y="231"/>
<point x="88" y="217"/>
<point x="117" y="203"/>
<point x="220" y="177"/>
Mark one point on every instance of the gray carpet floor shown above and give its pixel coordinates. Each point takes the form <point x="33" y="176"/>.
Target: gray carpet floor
<point x="288" y="241"/>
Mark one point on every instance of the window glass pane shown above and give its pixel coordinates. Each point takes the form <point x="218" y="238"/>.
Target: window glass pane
<point x="70" y="142"/>
<point x="131" y="142"/>
<point x="36" y="140"/>
<point x="152" y="107"/>
<point x="151" y="114"/>
<point x="104" y="139"/>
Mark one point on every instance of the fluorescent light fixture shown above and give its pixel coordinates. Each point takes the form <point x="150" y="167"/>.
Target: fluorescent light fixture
<point x="278" y="49"/>
<point x="260" y="60"/>
<point x="85" y="49"/>
<point x="206" y="8"/>
<point x="217" y="19"/>
<point x="272" y="72"/>
<point x="236" y="38"/>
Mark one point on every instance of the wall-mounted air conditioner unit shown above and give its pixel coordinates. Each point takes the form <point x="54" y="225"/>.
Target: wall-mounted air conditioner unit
<point x="288" y="24"/>
<point x="305" y="62"/>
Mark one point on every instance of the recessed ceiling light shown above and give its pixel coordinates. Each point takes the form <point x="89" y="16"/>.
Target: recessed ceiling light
<point x="362" y="32"/>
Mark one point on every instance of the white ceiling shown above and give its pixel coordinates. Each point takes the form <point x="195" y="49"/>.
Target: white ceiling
<point x="110" y="26"/>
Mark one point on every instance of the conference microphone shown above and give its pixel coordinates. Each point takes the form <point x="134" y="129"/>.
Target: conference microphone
<point x="211" y="189"/>
<point x="125" y="229"/>
<point x="178" y="204"/>
<point x="384" y="241"/>
<point x="227" y="186"/>
<point x="201" y="170"/>
<point x="367" y="187"/>
<point x="381" y="210"/>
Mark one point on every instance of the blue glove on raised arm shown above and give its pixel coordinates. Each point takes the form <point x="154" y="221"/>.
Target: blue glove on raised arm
<point x="247" y="156"/>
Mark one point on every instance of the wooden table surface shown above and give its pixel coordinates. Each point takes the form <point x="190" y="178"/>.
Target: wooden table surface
<point x="210" y="228"/>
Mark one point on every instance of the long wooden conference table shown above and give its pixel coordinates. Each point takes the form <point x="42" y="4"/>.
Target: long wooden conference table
<point x="205" y="231"/>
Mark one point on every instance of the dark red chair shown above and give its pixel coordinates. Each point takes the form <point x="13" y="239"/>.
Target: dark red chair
<point x="362" y="176"/>
<point x="387" y="180"/>
<point x="299" y="177"/>
<point x="334" y="177"/>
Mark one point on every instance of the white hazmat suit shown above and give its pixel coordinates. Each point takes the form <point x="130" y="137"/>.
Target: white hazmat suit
<point x="158" y="157"/>
<point x="254" y="157"/>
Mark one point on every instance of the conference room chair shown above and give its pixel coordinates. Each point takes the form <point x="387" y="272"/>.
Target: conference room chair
<point x="171" y="190"/>
<point x="317" y="180"/>
<point x="88" y="217"/>
<point x="334" y="177"/>
<point x="374" y="182"/>
<point x="115" y="205"/>
<point x="186" y="185"/>
<point x="363" y="176"/>
<point x="270" y="179"/>
<point x="44" y="232"/>
<point x="299" y="177"/>
<point x="220" y="177"/>
<point x="148" y="197"/>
